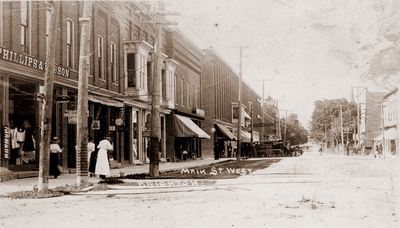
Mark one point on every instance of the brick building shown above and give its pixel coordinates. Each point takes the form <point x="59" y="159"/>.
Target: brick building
<point x="119" y="83"/>
<point x="184" y="131"/>
<point x="220" y="102"/>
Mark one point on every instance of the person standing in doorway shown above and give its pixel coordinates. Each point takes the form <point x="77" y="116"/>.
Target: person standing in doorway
<point x="102" y="164"/>
<point x="92" y="156"/>
<point x="55" y="150"/>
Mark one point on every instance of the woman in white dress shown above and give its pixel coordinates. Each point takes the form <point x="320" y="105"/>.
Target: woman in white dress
<point x="102" y="164"/>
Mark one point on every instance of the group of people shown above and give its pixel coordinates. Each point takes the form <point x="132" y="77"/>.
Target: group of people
<point x="98" y="160"/>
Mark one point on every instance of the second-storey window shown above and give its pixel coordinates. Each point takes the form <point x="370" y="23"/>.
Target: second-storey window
<point x="25" y="26"/>
<point x="100" y="57"/>
<point x="113" y="61"/>
<point x="70" y="44"/>
<point x="130" y="59"/>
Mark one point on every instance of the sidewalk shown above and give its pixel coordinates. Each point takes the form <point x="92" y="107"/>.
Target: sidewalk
<point x="26" y="184"/>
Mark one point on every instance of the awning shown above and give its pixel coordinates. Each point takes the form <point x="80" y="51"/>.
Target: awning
<point x="390" y="133"/>
<point x="245" y="136"/>
<point x="185" y="127"/>
<point x="226" y="132"/>
<point x="245" y="114"/>
<point x="105" y="101"/>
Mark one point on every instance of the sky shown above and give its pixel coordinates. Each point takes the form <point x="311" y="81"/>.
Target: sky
<point x="304" y="50"/>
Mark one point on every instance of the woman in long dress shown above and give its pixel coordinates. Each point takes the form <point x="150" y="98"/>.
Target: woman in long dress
<point x="55" y="150"/>
<point x="102" y="164"/>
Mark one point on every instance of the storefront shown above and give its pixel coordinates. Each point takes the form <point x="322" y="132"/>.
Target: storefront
<point x="20" y="130"/>
<point x="223" y="137"/>
<point x="183" y="137"/>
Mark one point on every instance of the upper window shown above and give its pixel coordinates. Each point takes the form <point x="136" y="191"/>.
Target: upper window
<point x="131" y="74"/>
<point x="70" y="43"/>
<point x="113" y="61"/>
<point x="25" y="26"/>
<point x="100" y="56"/>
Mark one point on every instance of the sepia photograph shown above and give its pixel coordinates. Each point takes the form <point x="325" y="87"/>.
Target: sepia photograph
<point x="200" y="113"/>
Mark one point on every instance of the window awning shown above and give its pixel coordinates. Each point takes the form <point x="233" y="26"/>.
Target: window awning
<point x="245" y="136"/>
<point x="105" y="101"/>
<point x="185" y="127"/>
<point x="226" y="132"/>
<point x="245" y="114"/>
<point x="390" y="133"/>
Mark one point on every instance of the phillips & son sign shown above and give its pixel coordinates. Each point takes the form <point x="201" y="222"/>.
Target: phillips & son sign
<point x="25" y="60"/>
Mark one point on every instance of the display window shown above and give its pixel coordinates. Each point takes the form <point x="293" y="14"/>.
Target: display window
<point x="22" y="117"/>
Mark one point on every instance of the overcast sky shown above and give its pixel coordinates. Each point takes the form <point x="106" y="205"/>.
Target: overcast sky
<point x="304" y="50"/>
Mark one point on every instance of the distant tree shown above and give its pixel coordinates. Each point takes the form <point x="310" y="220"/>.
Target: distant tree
<point x="325" y="120"/>
<point x="295" y="132"/>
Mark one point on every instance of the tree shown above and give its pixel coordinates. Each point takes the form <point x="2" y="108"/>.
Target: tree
<point x="325" y="121"/>
<point x="295" y="132"/>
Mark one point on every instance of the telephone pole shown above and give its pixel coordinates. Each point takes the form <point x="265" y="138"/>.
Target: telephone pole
<point x="155" y="129"/>
<point x="284" y="132"/>
<point x="262" y="111"/>
<point x="341" y="126"/>
<point x="239" y="141"/>
<point x="82" y="110"/>
<point x="47" y="101"/>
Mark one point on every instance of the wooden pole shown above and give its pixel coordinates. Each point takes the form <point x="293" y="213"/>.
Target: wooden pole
<point x="47" y="101"/>
<point x="155" y="140"/>
<point x="239" y="141"/>
<point x="82" y="109"/>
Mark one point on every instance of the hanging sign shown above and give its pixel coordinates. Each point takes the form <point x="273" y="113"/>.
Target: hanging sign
<point x="96" y="125"/>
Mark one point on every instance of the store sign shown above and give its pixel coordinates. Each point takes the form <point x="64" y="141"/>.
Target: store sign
<point x="96" y="125"/>
<point x="25" y="60"/>
<point x="6" y="142"/>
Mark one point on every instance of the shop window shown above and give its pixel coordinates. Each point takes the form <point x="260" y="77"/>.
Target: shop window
<point x="113" y="61"/>
<point x="131" y="69"/>
<point x="25" y="26"/>
<point x="100" y="57"/>
<point x="70" y="43"/>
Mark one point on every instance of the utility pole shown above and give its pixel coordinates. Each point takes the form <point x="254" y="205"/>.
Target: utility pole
<point x="262" y="111"/>
<point x="155" y="139"/>
<point x="284" y="132"/>
<point x="239" y="144"/>
<point x="82" y="109"/>
<point x="47" y="101"/>
<point x="279" y="121"/>
<point x="155" y="129"/>
<point x="251" y="122"/>
<point x="341" y="126"/>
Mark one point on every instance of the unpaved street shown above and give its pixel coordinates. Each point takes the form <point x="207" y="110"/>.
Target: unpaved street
<point x="313" y="190"/>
